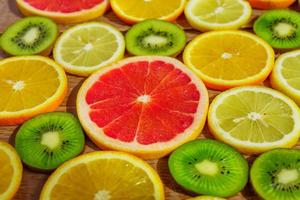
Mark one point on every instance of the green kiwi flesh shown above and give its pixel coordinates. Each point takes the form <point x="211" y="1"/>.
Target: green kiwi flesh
<point x="209" y="167"/>
<point x="48" y="140"/>
<point x="28" y="36"/>
<point x="155" y="37"/>
<point x="280" y="28"/>
<point x="275" y="175"/>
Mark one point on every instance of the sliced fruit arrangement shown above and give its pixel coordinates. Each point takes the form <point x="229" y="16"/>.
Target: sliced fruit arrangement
<point x="270" y="4"/>
<point x="226" y="59"/>
<point x="206" y="198"/>
<point x="207" y="15"/>
<point x="209" y="167"/>
<point x="64" y="11"/>
<point x="285" y="76"/>
<point x="147" y="106"/>
<point x="32" y="85"/>
<point x="155" y="37"/>
<point x="28" y="36"/>
<point x="134" y="11"/>
<point x="276" y="174"/>
<point x="104" y="175"/>
<point x="254" y="119"/>
<point x="10" y="171"/>
<point x="85" y="48"/>
<point x="48" y="140"/>
<point x="280" y="28"/>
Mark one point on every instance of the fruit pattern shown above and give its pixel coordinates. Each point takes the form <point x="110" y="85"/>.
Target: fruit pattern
<point x="151" y="105"/>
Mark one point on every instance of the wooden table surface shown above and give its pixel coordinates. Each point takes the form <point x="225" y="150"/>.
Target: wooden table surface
<point x="32" y="182"/>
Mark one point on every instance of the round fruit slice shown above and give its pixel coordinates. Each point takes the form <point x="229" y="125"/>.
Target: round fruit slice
<point x="64" y="11"/>
<point x="147" y="106"/>
<point x="85" y="48"/>
<point x="104" y="175"/>
<point x="206" y="198"/>
<point x="286" y="75"/>
<point x="138" y="10"/>
<point x="32" y="85"/>
<point x="209" y="167"/>
<point x="11" y="170"/>
<point x="226" y="59"/>
<point x="207" y="15"/>
<point x="270" y="4"/>
<point x="276" y="174"/>
<point x="254" y="119"/>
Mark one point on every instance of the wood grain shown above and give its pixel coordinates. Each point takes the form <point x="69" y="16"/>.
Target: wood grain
<point x="32" y="182"/>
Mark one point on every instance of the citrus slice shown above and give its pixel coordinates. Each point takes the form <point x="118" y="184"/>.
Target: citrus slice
<point x="147" y="106"/>
<point x="254" y="119"/>
<point x="10" y="171"/>
<point x="104" y="176"/>
<point x="30" y="85"/>
<point x="85" y="48"/>
<point x="226" y="59"/>
<point x="64" y="11"/>
<point x="207" y="15"/>
<point x="138" y="10"/>
<point x="286" y="75"/>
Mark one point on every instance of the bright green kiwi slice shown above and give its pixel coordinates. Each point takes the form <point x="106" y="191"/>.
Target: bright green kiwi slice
<point x="209" y="167"/>
<point x="275" y="175"/>
<point x="155" y="37"/>
<point x="48" y="140"/>
<point x="28" y="36"/>
<point x="280" y="28"/>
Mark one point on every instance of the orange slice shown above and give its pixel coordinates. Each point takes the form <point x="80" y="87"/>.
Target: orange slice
<point x="64" y="11"/>
<point x="10" y="171"/>
<point x="147" y="106"/>
<point x="104" y="176"/>
<point x="32" y="85"/>
<point x="138" y="10"/>
<point x="226" y="59"/>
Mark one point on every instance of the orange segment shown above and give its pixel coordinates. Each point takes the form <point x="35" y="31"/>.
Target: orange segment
<point x="226" y="59"/>
<point x="138" y="10"/>
<point x="10" y="171"/>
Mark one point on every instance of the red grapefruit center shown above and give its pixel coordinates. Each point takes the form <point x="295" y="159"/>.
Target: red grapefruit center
<point x="64" y="6"/>
<point x="143" y="101"/>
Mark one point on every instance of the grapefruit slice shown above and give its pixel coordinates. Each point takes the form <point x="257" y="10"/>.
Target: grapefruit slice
<point x="64" y="11"/>
<point x="147" y="106"/>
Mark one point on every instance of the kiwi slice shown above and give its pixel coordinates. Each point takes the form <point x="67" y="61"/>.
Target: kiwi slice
<point x="280" y="28"/>
<point x="155" y="37"/>
<point x="48" y="140"/>
<point x="209" y="167"/>
<point x="28" y="36"/>
<point x="275" y="175"/>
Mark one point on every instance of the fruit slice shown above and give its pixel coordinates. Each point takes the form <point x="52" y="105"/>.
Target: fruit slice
<point x="104" y="175"/>
<point x="85" y="48"/>
<point x="226" y="59"/>
<point x="207" y="15"/>
<point x="206" y="198"/>
<point x="254" y="119"/>
<point x="31" y="35"/>
<point x="32" y="85"/>
<point x="10" y="171"/>
<point x="64" y="11"/>
<point x="280" y="28"/>
<point x="276" y="175"/>
<point x="48" y="140"/>
<point x="155" y="37"/>
<point x="270" y="4"/>
<point x="138" y="10"/>
<point x="209" y="167"/>
<point x="147" y="106"/>
<point x="286" y="75"/>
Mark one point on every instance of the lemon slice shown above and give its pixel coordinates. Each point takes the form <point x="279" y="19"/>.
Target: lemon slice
<point x="254" y="119"/>
<point x="286" y="75"/>
<point x="85" y="48"/>
<point x="104" y="176"/>
<point x="206" y="15"/>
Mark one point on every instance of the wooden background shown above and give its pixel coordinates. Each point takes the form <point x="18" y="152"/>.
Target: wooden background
<point x="32" y="182"/>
